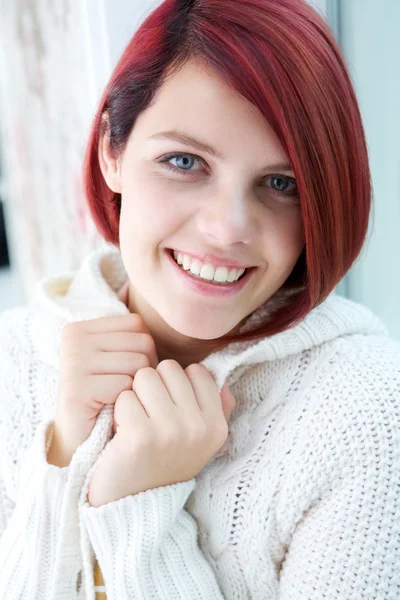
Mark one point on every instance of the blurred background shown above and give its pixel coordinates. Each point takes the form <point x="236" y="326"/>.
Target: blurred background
<point x="55" y="58"/>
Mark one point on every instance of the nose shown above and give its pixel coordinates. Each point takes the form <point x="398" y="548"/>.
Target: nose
<point x="225" y="219"/>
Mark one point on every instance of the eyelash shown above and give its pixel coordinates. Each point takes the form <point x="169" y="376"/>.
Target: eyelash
<point x="168" y="157"/>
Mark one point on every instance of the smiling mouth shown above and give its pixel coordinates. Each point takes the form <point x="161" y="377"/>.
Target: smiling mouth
<point x="212" y="281"/>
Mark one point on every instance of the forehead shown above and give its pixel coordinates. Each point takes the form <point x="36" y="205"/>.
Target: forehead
<point x="196" y="101"/>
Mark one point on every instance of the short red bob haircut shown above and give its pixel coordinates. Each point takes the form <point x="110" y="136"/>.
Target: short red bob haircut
<point x="281" y="56"/>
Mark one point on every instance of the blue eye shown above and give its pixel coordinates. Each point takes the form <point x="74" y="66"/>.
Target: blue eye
<point x="282" y="183"/>
<point x="187" y="161"/>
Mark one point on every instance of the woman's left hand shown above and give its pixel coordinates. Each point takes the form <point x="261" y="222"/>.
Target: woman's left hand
<point x="166" y="431"/>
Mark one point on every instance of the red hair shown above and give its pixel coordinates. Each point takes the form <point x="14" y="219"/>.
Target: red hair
<point x="282" y="57"/>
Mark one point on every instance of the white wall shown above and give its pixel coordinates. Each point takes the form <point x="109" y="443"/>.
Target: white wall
<point x="110" y="26"/>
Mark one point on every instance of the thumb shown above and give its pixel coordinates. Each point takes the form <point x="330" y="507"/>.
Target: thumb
<point x="228" y="400"/>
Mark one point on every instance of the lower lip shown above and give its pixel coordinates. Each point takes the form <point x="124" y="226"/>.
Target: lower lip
<point x="206" y="288"/>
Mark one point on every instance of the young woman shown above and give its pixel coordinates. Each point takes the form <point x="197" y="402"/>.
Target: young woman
<point x="195" y="413"/>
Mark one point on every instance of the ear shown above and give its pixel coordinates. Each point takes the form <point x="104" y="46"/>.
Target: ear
<point x="109" y="164"/>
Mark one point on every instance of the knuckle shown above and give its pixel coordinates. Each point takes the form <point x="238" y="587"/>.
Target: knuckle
<point x="195" y="368"/>
<point x="137" y="321"/>
<point x="144" y="362"/>
<point x="127" y="382"/>
<point x="221" y="431"/>
<point x="70" y="331"/>
<point x="70" y="362"/>
<point x="166" y="362"/>
<point x="142" y="373"/>
<point x="197" y="430"/>
<point x="124" y="396"/>
<point x="149" y="343"/>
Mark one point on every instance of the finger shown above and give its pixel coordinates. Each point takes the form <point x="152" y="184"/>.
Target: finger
<point x="177" y="384"/>
<point x="126" y="341"/>
<point x="121" y="341"/>
<point x="129" y="412"/>
<point x="108" y="363"/>
<point x="205" y="390"/>
<point x="228" y="400"/>
<point x="153" y="394"/>
<point x="118" y="323"/>
<point x="106" y="388"/>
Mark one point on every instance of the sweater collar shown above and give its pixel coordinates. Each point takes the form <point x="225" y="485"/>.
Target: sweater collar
<point x="97" y="288"/>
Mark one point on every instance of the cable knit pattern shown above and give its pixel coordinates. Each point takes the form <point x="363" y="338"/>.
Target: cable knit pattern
<point x="302" y="502"/>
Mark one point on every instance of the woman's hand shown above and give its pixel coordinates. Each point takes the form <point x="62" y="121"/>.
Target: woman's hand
<point x="98" y="360"/>
<point x="167" y="428"/>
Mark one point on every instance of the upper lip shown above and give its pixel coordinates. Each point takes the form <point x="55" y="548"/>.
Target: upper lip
<point x="209" y="258"/>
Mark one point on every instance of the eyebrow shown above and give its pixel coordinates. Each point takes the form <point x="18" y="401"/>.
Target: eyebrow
<point x="179" y="136"/>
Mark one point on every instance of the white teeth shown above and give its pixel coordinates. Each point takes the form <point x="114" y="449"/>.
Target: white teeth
<point x="207" y="271"/>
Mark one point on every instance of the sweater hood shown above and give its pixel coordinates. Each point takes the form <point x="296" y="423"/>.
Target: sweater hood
<point x="92" y="292"/>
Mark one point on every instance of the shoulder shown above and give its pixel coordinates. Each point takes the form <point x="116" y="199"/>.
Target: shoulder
<point x="356" y="386"/>
<point x="21" y="331"/>
<point x="353" y="370"/>
<point x="23" y="365"/>
<point x="363" y="366"/>
<point x="346" y="417"/>
<point x="25" y="330"/>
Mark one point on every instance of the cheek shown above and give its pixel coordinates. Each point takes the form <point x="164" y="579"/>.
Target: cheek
<point x="150" y="209"/>
<point x="284" y="238"/>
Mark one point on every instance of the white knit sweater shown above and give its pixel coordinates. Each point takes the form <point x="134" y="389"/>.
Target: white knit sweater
<point x="301" y="503"/>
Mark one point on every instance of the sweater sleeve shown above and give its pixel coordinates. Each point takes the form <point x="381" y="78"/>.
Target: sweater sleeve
<point x="30" y="538"/>
<point x="35" y="513"/>
<point x="146" y="547"/>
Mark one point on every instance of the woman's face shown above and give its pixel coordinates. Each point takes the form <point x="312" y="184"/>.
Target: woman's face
<point x="227" y="201"/>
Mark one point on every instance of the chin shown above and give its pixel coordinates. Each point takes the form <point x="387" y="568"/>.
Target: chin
<point x="199" y="330"/>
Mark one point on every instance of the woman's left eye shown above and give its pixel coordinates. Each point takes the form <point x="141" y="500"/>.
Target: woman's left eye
<point x="186" y="162"/>
<point x="282" y="184"/>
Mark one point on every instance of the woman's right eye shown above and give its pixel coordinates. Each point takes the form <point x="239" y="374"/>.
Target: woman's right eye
<point x="186" y="162"/>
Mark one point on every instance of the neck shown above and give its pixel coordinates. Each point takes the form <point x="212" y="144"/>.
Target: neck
<point x="184" y="352"/>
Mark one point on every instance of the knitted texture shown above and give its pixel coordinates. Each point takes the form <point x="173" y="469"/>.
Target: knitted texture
<point x="301" y="502"/>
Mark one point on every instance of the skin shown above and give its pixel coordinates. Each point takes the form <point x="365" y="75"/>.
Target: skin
<point x="230" y="206"/>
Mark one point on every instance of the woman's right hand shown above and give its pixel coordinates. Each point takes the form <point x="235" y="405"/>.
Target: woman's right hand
<point x="98" y="360"/>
